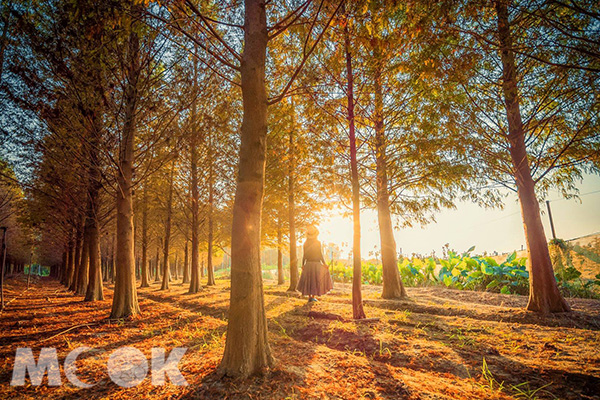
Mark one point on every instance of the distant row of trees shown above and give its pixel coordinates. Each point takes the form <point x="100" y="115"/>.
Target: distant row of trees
<point x="15" y="237"/>
<point x="185" y="125"/>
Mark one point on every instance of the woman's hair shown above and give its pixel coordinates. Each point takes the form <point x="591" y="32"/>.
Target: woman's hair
<point x="312" y="232"/>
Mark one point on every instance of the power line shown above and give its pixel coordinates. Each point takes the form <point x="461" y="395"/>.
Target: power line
<point x="579" y="195"/>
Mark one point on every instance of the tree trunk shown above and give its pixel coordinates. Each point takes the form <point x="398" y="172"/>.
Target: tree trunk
<point x="83" y="275"/>
<point x="176" y="269"/>
<point x="186" y="266"/>
<point x="209" y="264"/>
<point x="113" y="257"/>
<point x="2" y="266"/>
<point x="105" y="269"/>
<point x="544" y="296"/>
<point x="357" y="305"/>
<point x="77" y="259"/>
<point x="195" y="285"/>
<point x="247" y="348"/>
<point x="125" y="301"/>
<point x="145" y="282"/>
<point x="157" y="258"/>
<point x="209" y="260"/>
<point x="70" y="262"/>
<point x="56" y="271"/>
<point x="138" y="271"/>
<point x="392" y="285"/>
<point x="94" y="287"/>
<point x="64" y="264"/>
<point x="136" y="255"/>
<point x="280" y="277"/>
<point x="66" y="277"/>
<point x="292" y="208"/>
<point x="166" y="267"/>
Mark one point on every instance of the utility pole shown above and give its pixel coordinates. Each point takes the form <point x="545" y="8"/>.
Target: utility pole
<point x="551" y="221"/>
<point x="3" y="255"/>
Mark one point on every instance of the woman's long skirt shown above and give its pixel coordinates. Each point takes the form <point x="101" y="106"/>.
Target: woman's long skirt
<point x="315" y="279"/>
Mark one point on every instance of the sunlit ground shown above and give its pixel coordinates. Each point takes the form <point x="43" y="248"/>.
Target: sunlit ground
<point x="432" y="346"/>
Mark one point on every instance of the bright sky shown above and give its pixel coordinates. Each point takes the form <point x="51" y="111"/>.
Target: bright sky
<point x="469" y="225"/>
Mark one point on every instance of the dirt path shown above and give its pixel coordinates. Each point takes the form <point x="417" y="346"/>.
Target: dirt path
<point x="432" y="346"/>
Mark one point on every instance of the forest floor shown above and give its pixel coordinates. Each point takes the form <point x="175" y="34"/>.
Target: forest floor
<point x="435" y="345"/>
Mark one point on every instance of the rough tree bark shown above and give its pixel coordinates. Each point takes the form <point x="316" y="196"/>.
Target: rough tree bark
<point x="166" y="267"/>
<point x="280" y="277"/>
<point x="105" y="270"/>
<point x="94" y="288"/>
<point x="292" y="207"/>
<point x="157" y="258"/>
<point x="195" y="285"/>
<point x="71" y="265"/>
<point x="2" y="265"/>
<point x="247" y="348"/>
<point x="136" y="255"/>
<point x="77" y="257"/>
<point x="125" y="300"/>
<point x="544" y="296"/>
<point x="392" y="285"/>
<point x="113" y="257"/>
<point x="202" y="268"/>
<point x="70" y="261"/>
<point x="209" y="257"/>
<point x="357" y="305"/>
<point x="176" y="269"/>
<point x="64" y="264"/>
<point x="145" y="282"/>
<point x="56" y="271"/>
<point x="83" y="269"/>
<point x="186" y="266"/>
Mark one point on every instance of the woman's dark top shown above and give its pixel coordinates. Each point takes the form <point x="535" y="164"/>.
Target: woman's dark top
<point x="312" y="251"/>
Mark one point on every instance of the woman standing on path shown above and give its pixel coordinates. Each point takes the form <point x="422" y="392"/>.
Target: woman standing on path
<point x="315" y="279"/>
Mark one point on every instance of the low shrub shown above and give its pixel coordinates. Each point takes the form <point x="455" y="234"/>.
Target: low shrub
<point x="466" y="272"/>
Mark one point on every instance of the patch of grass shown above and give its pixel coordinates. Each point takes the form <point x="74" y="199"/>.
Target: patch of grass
<point x="355" y="352"/>
<point x="462" y="337"/>
<point x="487" y="381"/>
<point x="383" y="350"/>
<point x="525" y="391"/>
<point x="283" y="331"/>
<point x="520" y="391"/>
